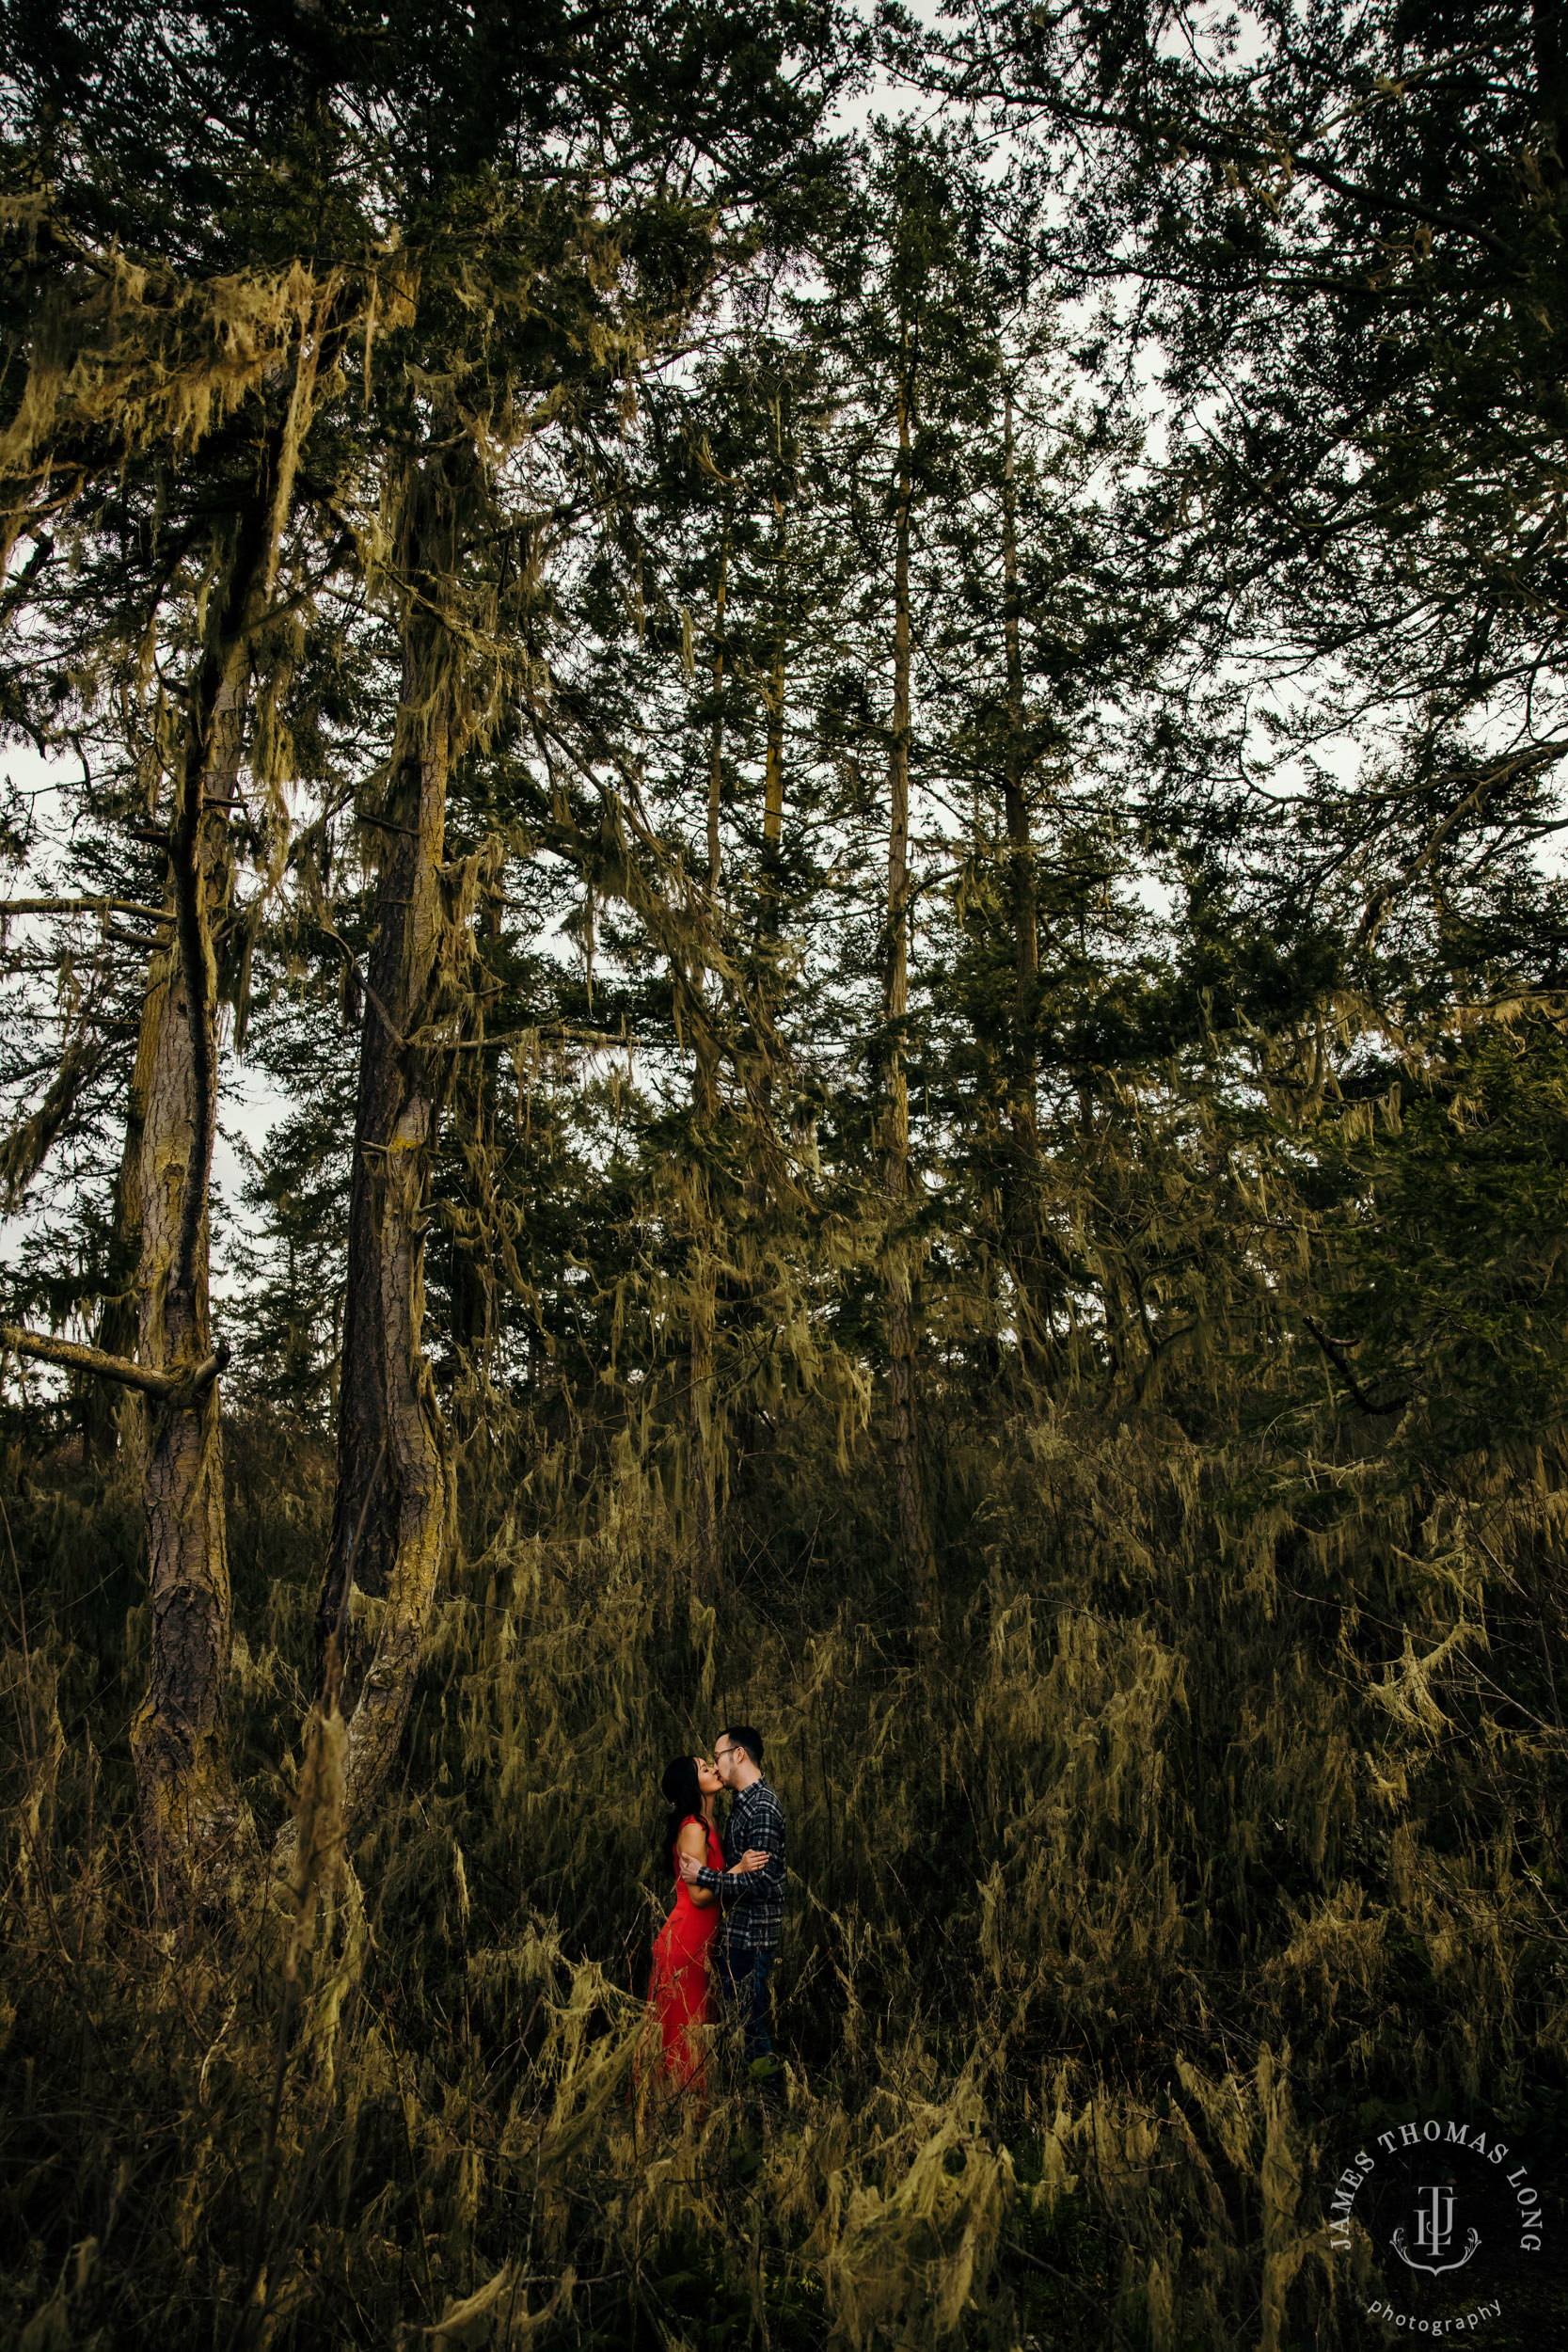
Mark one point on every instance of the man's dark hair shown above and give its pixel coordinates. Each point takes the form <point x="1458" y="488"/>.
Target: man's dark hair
<point x="745" y="1736"/>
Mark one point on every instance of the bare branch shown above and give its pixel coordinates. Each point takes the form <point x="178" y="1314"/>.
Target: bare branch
<point x="346" y="951"/>
<point x="84" y="906"/>
<point x="1335" y="1351"/>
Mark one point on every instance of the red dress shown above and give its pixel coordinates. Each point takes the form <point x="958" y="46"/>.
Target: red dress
<point x="678" y="1996"/>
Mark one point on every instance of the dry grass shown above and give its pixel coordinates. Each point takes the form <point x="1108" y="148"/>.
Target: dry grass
<point x="1175" y="1866"/>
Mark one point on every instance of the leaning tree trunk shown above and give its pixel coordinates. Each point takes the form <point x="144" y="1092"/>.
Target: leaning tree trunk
<point x="898" y="1252"/>
<point x="193" y="1826"/>
<point x="395" y="1499"/>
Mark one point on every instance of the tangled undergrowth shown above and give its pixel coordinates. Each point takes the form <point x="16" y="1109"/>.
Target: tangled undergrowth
<point x="1203" y="1839"/>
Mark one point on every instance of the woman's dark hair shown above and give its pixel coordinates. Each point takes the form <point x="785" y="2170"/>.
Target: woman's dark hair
<point x="686" y="1798"/>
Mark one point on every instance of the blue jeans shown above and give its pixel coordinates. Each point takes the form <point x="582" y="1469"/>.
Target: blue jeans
<point x="743" y="1986"/>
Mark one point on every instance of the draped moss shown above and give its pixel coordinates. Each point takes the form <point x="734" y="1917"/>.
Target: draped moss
<point x="856" y="1155"/>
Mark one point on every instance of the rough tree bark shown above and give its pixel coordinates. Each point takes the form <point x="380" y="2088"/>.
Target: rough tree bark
<point x="1020" y="847"/>
<point x="771" y="893"/>
<point x="766" y="976"/>
<point x="703" y="1312"/>
<point x="898" y="1248"/>
<point x="1023" y="1206"/>
<point x="193" y="1824"/>
<point x="196" y="1831"/>
<point x="473" y="1252"/>
<point x="773" y="783"/>
<point x="119" y="1318"/>
<point x="395" y="1472"/>
<point x="716" y="766"/>
<point x="705" y="1516"/>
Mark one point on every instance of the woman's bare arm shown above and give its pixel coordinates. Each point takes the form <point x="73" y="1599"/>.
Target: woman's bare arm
<point x="688" y="1862"/>
<point x="692" y="1842"/>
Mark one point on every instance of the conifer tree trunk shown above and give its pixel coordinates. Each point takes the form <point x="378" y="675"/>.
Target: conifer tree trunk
<point x="773" y="783"/>
<point x="473" y="1251"/>
<point x="1020" y="848"/>
<point x="920" y="1560"/>
<point x="119" y="1319"/>
<point x="705" y="1516"/>
<point x="395" y="1475"/>
<point x="771" y="893"/>
<point x="716" y="769"/>
<point x="192" y="1823"/>
<point x="1023" y="1207"/>
<point x="767" y="980"/>
<point x="703" y="1309"/>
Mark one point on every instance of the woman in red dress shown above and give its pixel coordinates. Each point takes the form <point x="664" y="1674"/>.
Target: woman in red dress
<point x="678" y="1994"/>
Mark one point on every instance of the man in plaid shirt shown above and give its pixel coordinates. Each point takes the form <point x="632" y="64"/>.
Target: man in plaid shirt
<point x="750" y="1888"/>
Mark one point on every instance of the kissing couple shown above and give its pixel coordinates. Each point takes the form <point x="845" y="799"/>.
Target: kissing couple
<point x="717" y="1947"/>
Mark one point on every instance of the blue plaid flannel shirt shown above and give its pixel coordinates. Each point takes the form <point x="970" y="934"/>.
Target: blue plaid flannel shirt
<point x="753" y="1903"/>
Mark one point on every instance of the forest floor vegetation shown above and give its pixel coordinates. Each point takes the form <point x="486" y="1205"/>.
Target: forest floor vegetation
<point x="1097" y="1945"/>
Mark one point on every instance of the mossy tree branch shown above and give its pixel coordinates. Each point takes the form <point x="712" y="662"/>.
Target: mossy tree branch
<point x="73" y="1356"/>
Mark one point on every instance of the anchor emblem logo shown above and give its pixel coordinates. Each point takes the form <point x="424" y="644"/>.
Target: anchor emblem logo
<point x="1434" y="2234"/>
